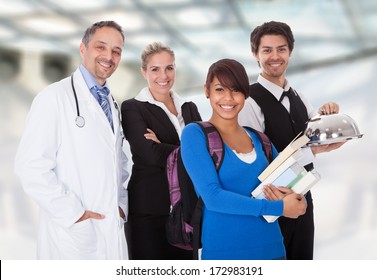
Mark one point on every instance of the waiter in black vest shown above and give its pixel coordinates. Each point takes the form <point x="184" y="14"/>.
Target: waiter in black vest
<point x="275" y="108"/>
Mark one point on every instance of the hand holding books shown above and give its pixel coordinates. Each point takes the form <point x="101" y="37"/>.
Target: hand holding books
<point x="285" y="170"/>
<point x="294" y="204"/>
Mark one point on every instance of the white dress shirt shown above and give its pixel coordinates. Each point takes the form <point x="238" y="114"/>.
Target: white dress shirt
<point x="251" y="115"/>
<point x="146" y="96"/>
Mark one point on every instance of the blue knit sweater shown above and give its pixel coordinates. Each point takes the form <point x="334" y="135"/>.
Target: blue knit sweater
<point x="233" y="226"/>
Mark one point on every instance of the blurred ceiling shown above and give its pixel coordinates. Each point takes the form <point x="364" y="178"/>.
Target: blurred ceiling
<point x="199" y="31"/>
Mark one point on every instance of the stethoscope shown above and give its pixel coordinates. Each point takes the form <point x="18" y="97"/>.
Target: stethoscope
<point x="80" y="121"/>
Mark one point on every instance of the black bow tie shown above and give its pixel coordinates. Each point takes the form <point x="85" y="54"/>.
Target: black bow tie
<point x="287" y="93"/>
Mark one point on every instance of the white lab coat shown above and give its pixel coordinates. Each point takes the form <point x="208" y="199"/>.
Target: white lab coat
<point x="67" y="170"/>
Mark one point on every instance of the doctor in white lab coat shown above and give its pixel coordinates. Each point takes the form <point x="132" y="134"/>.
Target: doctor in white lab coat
<point x="77" y="174"/>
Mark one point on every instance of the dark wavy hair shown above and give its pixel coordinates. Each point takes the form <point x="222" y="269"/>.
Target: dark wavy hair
<point x="271" y="28"/>
<point x="231" y="74"/>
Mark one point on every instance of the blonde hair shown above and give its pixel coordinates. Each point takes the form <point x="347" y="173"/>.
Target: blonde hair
<point x="153" y="48"/>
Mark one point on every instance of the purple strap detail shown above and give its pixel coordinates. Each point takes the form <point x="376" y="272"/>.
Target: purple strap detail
<point x="172" y="173"/>
<point x="214" y="142"/>
<point x="266" y="144"/>
<point x="215" y="146"/>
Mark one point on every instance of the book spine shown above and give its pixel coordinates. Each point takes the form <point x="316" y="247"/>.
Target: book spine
<point x="306" y="183"/>
<point x="301" y="187"/>
<point x="281" y="166"/>
<point x="276" y="173"/>
<point x="297" y="143"/>
<point x="270" y="219"/>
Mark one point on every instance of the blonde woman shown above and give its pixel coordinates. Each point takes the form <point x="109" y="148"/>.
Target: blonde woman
<point x="152" y="123"/>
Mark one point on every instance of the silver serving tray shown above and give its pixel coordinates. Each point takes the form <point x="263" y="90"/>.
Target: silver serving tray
<point x="333" y="140"/>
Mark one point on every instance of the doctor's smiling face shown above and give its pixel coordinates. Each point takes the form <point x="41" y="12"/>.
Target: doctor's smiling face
<point x="101" y="52"/>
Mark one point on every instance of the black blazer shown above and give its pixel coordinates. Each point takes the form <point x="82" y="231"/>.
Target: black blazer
<point x="148" y="186"/>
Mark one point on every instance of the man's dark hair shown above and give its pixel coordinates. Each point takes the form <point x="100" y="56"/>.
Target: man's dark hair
<point x="271" y="28"/>
<point x="92" y="29"/>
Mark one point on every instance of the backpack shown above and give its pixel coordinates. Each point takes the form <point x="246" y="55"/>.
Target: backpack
<point x="183" y="226"/>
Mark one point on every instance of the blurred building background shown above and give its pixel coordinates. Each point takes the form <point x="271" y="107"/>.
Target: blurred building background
<point x="335" y="58"/>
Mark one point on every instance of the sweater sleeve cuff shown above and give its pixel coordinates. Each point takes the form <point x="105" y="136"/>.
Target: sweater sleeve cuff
<point x="274" y="208"/>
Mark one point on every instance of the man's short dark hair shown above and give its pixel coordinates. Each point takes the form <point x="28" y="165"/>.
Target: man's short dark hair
<point x="271" y="28"/>
<point x="92" y="29"/>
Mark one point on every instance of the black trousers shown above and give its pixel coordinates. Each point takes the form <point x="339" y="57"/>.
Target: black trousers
<point x="299" y="233"/>
<point x="146" y="239"/>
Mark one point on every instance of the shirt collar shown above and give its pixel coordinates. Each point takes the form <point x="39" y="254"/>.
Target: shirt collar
<point x="90" y="80"/>
<point x="273" y="88"/>
<point x="146" y="96"/>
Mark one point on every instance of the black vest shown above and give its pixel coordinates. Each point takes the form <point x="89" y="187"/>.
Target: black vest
<point x="279" y="126"/>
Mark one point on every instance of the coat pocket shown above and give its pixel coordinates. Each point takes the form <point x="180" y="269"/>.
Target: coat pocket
<point x="84" y="237"/>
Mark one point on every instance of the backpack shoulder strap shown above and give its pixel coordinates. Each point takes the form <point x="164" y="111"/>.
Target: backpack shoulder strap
<point x="215" y="146"/>
<point x="215" y="143"/>
<point x="266" y="143"/>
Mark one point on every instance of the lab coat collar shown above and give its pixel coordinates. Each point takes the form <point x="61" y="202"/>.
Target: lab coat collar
<point x="84" y="95"/>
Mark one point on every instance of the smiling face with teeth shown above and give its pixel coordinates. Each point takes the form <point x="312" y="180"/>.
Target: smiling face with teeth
<point x="273" y="56"/>
<point x="103" y="52"/>
<point x="225" y="102"/>
<point x="227" y="87"/>
<point x="160" y="74"/>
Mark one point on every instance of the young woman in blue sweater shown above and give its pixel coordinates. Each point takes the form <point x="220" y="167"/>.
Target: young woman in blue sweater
<point x="233" y="226"/>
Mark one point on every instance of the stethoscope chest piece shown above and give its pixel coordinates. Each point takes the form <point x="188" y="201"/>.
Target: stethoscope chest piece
<point x="80" y="121"/>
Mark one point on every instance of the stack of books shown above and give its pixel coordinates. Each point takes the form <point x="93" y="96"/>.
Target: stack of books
<point x="285" y="170"/>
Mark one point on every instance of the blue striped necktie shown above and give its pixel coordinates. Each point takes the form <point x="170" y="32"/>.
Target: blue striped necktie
<point x="105" y="104"/>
